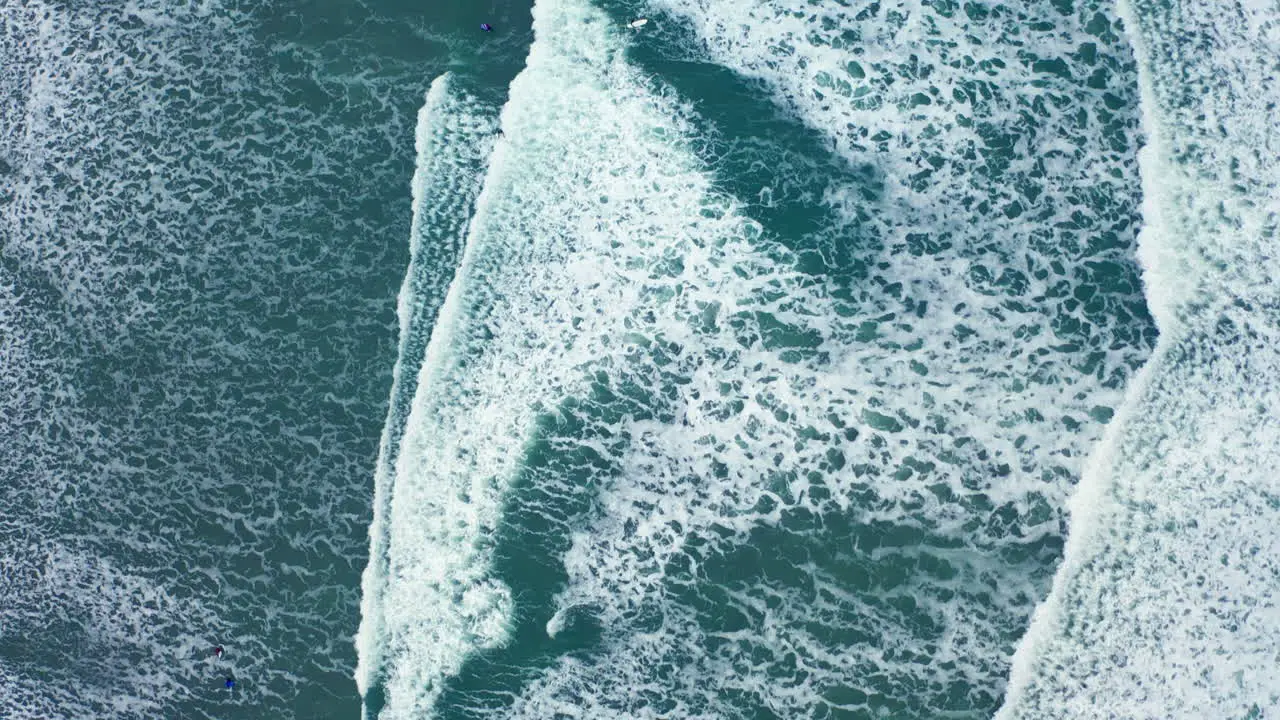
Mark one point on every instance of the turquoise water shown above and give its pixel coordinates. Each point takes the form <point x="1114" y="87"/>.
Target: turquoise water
<point x="757" y="399"/>
<point x="204" y="208"/>
<point x="771" y="360"/>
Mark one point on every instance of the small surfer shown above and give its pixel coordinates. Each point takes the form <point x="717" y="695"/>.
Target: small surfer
<point x="217" y="652"/>
<point x="486" y="27"/>
<point x="231" y="683"/>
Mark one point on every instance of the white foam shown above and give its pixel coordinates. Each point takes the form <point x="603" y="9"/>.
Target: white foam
<point x="1166" y="604"/>
<point x="69" y="616"/>
<point x="602" y="253"/>
<point x="174" y="193"/>
<point x="454" y="138"/>
<point x="555" y="266"/>
<point x="984" y="390"/>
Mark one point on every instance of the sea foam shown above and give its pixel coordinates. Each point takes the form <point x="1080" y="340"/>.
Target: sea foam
<point x="1166" y="603"/>
<point x="198" y="224"/>
<point x="454" y="137"/>
<point x="673" y="457"/>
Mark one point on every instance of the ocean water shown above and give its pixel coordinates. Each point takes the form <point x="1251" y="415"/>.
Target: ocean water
<point x="203" y="214"/>
<point x="778" y="342"/>
<point x="1166" y="603"/>
<point x="775" y="359"/>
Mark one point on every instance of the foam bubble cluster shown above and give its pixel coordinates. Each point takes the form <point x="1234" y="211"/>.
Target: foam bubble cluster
<point x="688" y="447"/>
<point x="201" y="225"/>
<point x="1166" y="604"/>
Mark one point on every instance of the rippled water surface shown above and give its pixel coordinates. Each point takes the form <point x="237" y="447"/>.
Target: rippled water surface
<point x="775" y="359"/>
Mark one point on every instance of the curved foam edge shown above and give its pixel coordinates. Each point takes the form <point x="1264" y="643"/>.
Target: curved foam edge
<point x="1165" y="492"/>
<point x="1089" y="496"/>
<point x="453" y="139"/>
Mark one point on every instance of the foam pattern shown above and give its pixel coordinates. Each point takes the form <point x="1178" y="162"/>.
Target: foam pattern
<point x="20" y="541"/>
<point x="674" y="454"/>
<point x="454" y="139"/>
<point x="202" y="214"/>
<point x="1166" y="604"/>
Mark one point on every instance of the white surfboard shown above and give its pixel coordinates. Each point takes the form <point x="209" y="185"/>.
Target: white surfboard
<point x="639" y="23"/>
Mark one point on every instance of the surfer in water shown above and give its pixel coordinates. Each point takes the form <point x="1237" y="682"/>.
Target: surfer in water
<point x="231" y="683"/>
<point x="486" y="27"/>
<point x="217" y="652"/>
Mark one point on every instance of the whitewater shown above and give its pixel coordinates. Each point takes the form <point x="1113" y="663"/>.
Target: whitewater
<point x="777" y="345"/>
<point x="782" y="409"/>
<point x="1166" y="603"/>
<point x="765" y="360"/>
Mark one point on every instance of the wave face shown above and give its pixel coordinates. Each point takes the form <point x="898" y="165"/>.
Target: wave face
<point x="201" y="227"/>
<point x="1166" y="603"/>
<point x="778" y="341"/>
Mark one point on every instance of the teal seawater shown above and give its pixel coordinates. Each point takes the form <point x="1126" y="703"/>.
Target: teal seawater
<point x="736" y="366"/>
<point x="1175" y="518"/>
<point x="204" y="210"/>
<point x="778" y="343"/>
